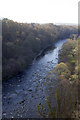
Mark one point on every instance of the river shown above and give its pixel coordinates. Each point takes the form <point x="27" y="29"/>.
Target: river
<point x="22" y="93"/>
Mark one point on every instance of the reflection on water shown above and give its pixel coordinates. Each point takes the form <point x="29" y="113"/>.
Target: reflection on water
<point x="23" y="92"/>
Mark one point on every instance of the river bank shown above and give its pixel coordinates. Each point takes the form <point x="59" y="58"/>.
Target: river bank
<point x="36" y="57"/>
<point x="22" y="93"/>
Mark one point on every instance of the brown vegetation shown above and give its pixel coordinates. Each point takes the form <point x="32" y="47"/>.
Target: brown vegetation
<point x="22" y="42"/>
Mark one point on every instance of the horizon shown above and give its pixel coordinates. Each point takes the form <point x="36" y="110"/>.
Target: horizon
<point x="41" y="23"/>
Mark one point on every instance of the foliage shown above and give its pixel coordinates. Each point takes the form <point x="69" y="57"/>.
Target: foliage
<point x="68" y="86"/>
<point x="62" y="70"/>
<point x="23" y="41"/>
<point x="69" y="54"/>
<point x="40" y="109"/>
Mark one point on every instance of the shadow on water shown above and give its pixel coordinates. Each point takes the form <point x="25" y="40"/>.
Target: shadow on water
<point x="45" y="51"/>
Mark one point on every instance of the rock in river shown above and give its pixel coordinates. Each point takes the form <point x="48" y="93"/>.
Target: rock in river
<point x="12" y="96"/>
<point x="30" y="90"/>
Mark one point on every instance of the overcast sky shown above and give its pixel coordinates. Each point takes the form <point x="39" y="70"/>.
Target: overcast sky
<point x="40" y="11"/>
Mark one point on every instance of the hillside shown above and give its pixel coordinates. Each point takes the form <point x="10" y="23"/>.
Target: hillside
<point x="23" y="41"/>
<point x="67" y="75"/>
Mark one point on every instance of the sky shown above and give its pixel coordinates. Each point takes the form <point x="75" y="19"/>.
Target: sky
<point x="40" y="11"/>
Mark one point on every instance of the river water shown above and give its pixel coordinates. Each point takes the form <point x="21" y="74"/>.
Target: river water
<point x="22" y="93"/>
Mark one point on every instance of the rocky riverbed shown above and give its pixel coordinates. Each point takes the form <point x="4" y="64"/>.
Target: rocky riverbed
<point x="22" y="93"/>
